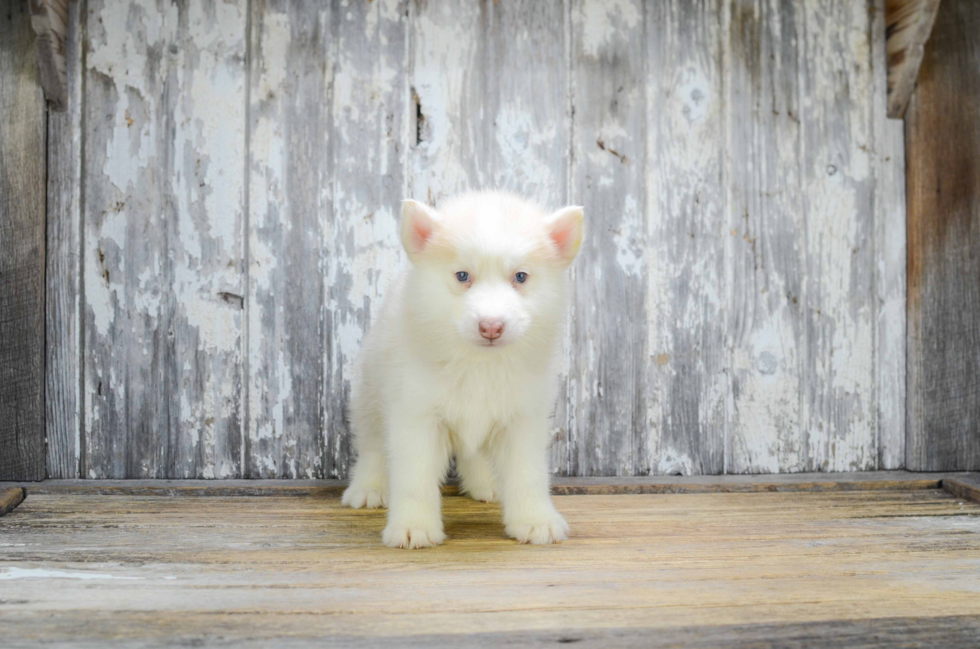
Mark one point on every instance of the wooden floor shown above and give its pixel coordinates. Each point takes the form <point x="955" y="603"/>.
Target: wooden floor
<point x="788" y="569"/>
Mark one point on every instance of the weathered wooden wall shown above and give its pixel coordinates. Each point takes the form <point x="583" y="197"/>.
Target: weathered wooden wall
<point x="234" y="171"/>
<point x="943" y="136"/>
<point x="22" y="173"/>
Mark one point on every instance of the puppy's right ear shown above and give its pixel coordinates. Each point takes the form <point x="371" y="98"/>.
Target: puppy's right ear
<point x="419" y="223"/>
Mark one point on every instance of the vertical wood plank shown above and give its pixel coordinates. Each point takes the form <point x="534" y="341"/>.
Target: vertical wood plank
<point x="290" y="208"/>
<point x="364" y="252"/>
<point x="525" y="112"/>
<point x="163" y="216"/>
<point x="63" y="275"/>
<point x="448" y="67"/>
<point x="765" y="231"/>
<point x="608" y="394"/>
<point x="22" y="198"/>
<point x="889" y="245"/>
<point x="839" y="406"/>
<point x="687" y="293"/>
<point x="943" y="179"/>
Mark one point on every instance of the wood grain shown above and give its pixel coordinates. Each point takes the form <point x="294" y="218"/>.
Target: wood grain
<point x="889" y="247"/>
<point x="964" y="486"/>
<point x="370" y="103"/>
<point x="943" y="180"/>
<point x="63" y="273"/>
<point x="22" y="178"/>
<point x="50" y="20"/>
<point x="447" y="135"/>
<point x="10" y="498"/>
<point x="525" y="116"/>
<point x="836" y="165"/>
<point x="163" y="238"/>
<point x="737" y="307"/>
<point x="567" y="486"/>
<point x="765" y="233"/>
<point x="908" y="26"/>
<point x="608" y="396"/>
<point x="291" y="189"/>
<point x="687" y="353"/>
<point x="99" y="569"/>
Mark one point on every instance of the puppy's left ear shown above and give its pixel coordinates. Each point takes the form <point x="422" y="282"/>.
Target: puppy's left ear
<point x="565" y="231"/>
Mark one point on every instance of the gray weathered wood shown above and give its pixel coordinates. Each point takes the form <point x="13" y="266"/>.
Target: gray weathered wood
<point x="290" y="203"/>
<point x="965" y="486"/>
<point x="50" y="19"/>
<point x="687" y="295"/>
<point x="889" y="246"/>
<point x="766" y="238"/>
<point x="737" y="306"/>
<point x="447" y="65"/>
<point x="908" y="25"/>
<point x="880" y="568"/>
<point x="63" y="288"/>
<point x="943" y="178"/>
<point x="370" y="97"/>
<point x="836" y="162"/>
<point x="22" y="178"/>
<point x="526" y="121"/>
<point x="163" y="238"/>
<point x="303" y="488"/>
<point x="609" y="399"/>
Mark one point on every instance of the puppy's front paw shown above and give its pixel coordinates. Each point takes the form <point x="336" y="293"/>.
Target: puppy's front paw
<point x="357" y="496"/>
<point x="411" y="536"/>
<point x="547" y="529"/>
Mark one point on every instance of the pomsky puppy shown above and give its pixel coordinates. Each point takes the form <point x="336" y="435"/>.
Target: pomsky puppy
<point x="461" y="361"/>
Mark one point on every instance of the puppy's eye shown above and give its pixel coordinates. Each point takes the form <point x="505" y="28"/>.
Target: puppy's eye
<point x="520" y="277"/>
<point x="463" y="276"/>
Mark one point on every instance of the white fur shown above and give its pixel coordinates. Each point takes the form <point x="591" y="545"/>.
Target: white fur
<point x="431" y="386"/>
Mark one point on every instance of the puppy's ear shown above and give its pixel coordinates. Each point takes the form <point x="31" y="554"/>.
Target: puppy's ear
<point x="565" y="230"/>
<point x="419" y="223"/>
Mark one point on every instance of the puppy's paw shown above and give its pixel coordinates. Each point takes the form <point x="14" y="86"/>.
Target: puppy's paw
<point x="483" y="494"/>
<point x="357" y="496"/>
<point x="398" y="535"/>
<point x="548" y="529"/>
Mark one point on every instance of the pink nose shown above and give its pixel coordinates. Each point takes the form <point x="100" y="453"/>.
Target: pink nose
<point x="491" y="329"/>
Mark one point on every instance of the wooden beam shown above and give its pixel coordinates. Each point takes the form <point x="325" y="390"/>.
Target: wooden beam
<point x="10" y="498"/>
<point x="49" y="18"/>
<point x="22" y="192"/>
<point x="943" y="193"/>
<point x="908" y="24"/>
<point x="783" y="482"/>
<point x="63" y="287"/>
<point x="966" y="486"/>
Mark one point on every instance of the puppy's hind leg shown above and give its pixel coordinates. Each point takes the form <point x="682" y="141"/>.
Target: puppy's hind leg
<point x="476" y="478"/>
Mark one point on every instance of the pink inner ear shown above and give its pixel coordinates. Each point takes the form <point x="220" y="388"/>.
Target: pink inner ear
<point x="421" y="232"/>
<point x="561" y="234"/>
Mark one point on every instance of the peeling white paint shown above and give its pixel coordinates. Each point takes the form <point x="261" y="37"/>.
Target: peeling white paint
<point x="602" y="22"/>
<point x="772" y="329"/>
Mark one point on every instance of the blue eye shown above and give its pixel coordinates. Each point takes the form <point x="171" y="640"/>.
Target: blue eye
<point x="463" y="276"/>
<point x="520" y="277"/>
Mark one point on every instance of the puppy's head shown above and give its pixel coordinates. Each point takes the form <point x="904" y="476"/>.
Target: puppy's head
<point x="489" y="268"/>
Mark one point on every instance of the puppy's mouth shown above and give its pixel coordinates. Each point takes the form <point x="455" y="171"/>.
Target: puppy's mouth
<point x="491" y="344"/>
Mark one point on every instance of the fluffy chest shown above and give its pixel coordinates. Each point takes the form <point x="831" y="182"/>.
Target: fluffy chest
<point x="473" y="400"/>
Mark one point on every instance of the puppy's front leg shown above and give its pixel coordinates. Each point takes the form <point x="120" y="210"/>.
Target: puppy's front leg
<point x="521" y="464"/>
<point x="417" y="461"/>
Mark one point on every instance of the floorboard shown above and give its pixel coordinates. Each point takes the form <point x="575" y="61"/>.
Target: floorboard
<point x="765" y="569"/>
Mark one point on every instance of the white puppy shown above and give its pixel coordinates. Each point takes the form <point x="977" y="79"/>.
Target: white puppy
<point x="460" y="361"/>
